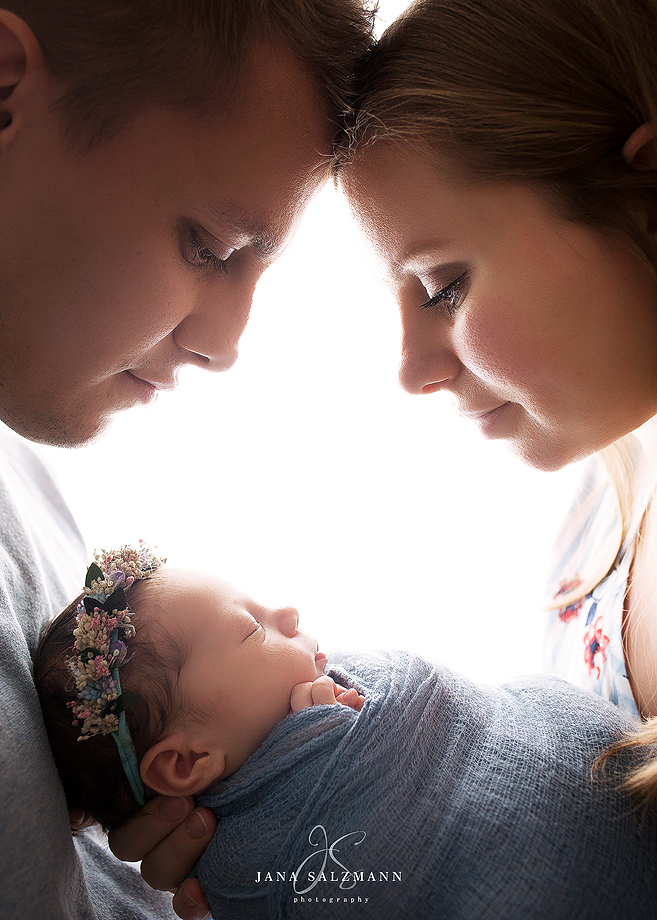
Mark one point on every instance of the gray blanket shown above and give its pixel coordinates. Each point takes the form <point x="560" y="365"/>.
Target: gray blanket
<point x="441" y="798"/>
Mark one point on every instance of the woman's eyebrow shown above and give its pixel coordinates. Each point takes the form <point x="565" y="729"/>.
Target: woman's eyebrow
<point x="416" y="256"/>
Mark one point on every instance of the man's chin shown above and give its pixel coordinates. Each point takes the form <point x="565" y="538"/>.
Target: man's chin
<point x="58" y="430"/>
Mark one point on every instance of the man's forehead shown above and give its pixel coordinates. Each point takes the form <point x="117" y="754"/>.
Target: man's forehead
<point x="267" y="227"/>
<point x="256" y="229"/>
<point x="269" y="153"/>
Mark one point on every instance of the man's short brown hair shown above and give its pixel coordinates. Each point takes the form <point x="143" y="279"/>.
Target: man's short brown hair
<point x="115" y="56"/>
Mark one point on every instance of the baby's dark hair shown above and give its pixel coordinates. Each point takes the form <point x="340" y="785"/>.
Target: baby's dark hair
<point x="90" y="770"/>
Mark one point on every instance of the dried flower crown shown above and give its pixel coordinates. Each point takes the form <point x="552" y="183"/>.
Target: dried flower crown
<point x="103" y="628"/>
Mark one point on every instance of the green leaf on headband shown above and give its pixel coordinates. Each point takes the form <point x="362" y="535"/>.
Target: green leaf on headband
<point x="116" y="601"/>
<point x="125" y="701"/>
<point x="93" y="574"/>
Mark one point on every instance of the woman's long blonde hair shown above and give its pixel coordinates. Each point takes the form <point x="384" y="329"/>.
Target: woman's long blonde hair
<point x="544" y="92"/>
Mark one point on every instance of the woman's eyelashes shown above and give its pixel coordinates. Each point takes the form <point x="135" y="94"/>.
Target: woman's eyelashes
<point x="449" y="298"/>
<point x="201" y="250"/>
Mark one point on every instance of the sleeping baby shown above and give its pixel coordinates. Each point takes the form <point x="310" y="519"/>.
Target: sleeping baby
<point x="379" y="785"/>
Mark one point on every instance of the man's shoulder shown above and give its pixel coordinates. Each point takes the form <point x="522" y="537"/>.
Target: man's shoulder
<point x="42" y="564"/>
<point x="42" y="553"/>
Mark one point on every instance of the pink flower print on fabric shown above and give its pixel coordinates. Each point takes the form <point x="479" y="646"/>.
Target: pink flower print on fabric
<point x="571" y="612"/>
<point x="595" y="643"/>
<point x="566" y="614"/>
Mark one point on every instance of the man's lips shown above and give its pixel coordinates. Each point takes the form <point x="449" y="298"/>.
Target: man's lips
<point x="168" y="384"/>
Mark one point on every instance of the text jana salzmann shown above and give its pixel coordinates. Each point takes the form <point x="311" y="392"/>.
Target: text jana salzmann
<point x="304" y="879"/>
<point x="347" y="877"/>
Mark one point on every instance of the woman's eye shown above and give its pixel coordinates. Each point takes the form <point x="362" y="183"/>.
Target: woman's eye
<point x="199" y="253"/>
<point x="450" y="297"/>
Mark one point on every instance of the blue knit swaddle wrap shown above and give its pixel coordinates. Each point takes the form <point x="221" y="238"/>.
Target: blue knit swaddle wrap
<point x="441" y="798"/>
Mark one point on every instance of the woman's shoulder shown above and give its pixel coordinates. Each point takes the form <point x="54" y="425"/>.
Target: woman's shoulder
<point x="589" y="540"/>
<point x="587" y="588"/>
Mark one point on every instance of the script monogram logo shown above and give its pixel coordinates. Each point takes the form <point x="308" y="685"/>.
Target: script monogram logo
<point x="326" y="852"/>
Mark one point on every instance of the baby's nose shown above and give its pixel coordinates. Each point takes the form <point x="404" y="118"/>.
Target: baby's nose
<point x="287" y="620"/>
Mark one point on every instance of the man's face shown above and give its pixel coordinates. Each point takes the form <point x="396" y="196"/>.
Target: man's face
<point x="121" y="264"/>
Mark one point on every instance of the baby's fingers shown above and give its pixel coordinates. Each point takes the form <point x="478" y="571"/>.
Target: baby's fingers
<point x="302" y="697"/>
<point x="351" y="698"/>
<point x="323" y="691"/>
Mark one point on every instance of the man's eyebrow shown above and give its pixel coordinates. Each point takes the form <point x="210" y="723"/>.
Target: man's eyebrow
<point x="252" y="227"/>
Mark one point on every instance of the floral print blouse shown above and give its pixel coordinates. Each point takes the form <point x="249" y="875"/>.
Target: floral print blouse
<point x="584" y="642"/>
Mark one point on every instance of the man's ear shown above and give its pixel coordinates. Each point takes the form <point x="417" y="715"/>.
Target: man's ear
<point x="177" y="765"/>
<point x="20" y="58"/>
<point x="640" y="149"/>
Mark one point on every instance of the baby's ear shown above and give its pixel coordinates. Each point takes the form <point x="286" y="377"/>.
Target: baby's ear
<point x="640" y="149"/>
<point x="176" y="765"/>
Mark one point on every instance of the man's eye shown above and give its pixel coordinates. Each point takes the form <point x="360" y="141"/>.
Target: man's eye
<point x="449" y="298"/>
<point x="200" y="253"/>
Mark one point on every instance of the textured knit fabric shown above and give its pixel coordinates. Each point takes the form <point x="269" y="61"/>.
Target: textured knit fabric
<point x="584" y="641"/>
<point x="453" y="800"/>
<point x="44" y="873"/>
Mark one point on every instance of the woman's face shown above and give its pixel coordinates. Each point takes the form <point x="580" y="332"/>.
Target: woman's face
<point x="544" y="331"/>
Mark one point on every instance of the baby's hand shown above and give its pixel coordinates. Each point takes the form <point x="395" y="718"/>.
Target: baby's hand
<point x="313" y="693"/>
<point x="349" y="697"/>
<point x="324" y="691"/>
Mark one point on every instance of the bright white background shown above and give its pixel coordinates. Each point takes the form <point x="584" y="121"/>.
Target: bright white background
<point x="307" y="476"/>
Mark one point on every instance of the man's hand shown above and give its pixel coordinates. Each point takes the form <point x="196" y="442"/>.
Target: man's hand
<point x="169" y="835"/>
<point x="324" y="691"/>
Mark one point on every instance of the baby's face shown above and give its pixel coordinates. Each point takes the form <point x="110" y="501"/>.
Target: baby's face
<point x="243" y="659"/>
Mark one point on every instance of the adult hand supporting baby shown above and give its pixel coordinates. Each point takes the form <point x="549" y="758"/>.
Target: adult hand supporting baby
<point x="169" y="835"/>
<point x="324" y="691"/>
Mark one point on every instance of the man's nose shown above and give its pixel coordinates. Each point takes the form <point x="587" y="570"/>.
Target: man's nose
<point x="212" y="330"/>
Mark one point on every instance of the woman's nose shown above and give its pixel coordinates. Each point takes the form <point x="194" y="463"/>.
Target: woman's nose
<point x="212" y="330"/>
<point x="422" y="375"/>
<point x="287" y="620"/>
<point x="428" y="362"/>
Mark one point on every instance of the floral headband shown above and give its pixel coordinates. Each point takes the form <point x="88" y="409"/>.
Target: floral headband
<point x="104" y="626"/>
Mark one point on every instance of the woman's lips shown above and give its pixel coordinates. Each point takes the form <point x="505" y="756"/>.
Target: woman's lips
<point x="487" y="418"/>
<point x="476" y="415"/>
